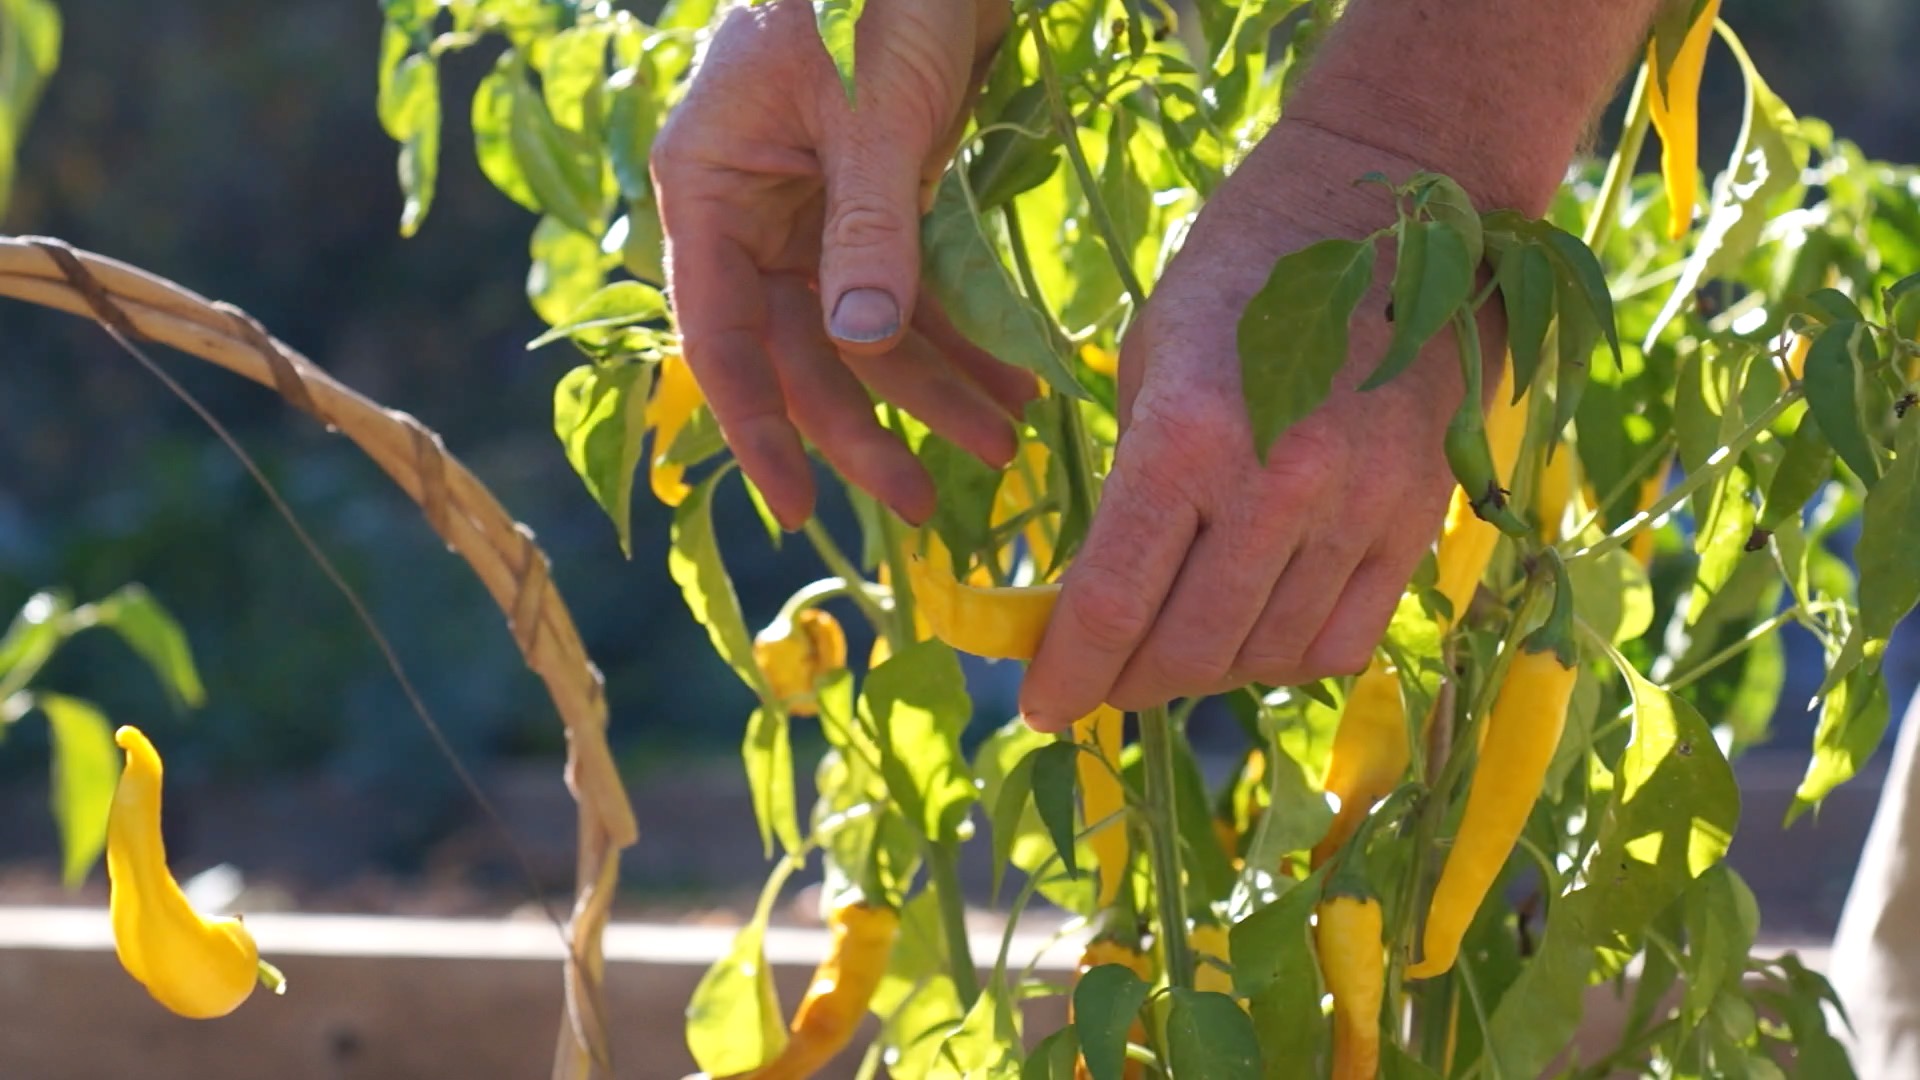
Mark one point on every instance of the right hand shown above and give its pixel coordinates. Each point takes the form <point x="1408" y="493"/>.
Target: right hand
<point x="776" y="196"/>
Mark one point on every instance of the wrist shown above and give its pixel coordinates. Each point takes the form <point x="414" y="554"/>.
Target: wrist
<point x="1496" y="94"/>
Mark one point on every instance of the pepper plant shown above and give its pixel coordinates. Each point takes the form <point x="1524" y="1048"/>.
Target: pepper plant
<point x="1525" y="797"/>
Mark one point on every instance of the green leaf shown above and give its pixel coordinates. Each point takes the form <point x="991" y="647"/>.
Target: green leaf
<point x="963" y="515"/>
<point x="36" y="631"/>
<point x="1009" y="161"/>
<point x="1527" y="293"/>
<point x="568" y="267"/>
<point x="1274" y="969"/>
<point x="1009" y="808"/>
<point x="409" y="109"/>
<point x="916" y="705"/>
<point x="966" y="276"/>
<point x="1105" y="1002"/>
<point x="1611" y="595"/>
<point x="1397" y="1064"/>
<point x="836" y="20"/>
<point x="86" y="767"/>
<point x="1128" y="203"/>
<point x="734" y="1023"/>
<point x="1432" y="277"/>
<point x="1448" y="202"/>
<point x="767" y="752"/>
<point x="613" y="307"/>
<point x="148" y="629"/>
<point x="599" y="413"/>
<point x="1576" y="266"/>
<point x="562" y="168"/>
<point x="1767" y="160"/>
<point x="1292" y="337"/>
<point x="1208" y="1035"/>
<point x="986" y="1046"/>
<point x="1853" y="717"/>
<point x="492" y="118"/>
<point x="1577" y="334"/>
<point x="1054" y="1058"/>
<point x="1722" y="919"/>
<point x="1890" y="521"/>
<point x="573" y="76"/>
<point x="1053" y="785"/>
<point x="693" y="560"/>
<point x="1836" y="394"/>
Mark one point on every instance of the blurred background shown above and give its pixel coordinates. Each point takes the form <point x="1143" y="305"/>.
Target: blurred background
<point x="233" y="147"/>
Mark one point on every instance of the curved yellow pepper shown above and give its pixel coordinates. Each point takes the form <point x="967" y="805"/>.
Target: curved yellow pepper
<point x="1101" y="796"/>
<point x="1017" y="495"/>
<point x="1676" y="116"/>
<point x="1522" y="734"/>
<point x="1370" y="753"/>
<point x="676" y="396"/>
<point x="1347" y="936"/>
<point x="1641" y="546"/>
<point x="198" y="967"/>
<point x="794" y="654"/>
<point x="997" y="623"/>
<point x="842" y="988"/>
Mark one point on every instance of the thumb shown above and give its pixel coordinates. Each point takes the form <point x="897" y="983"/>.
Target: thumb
<point x="870" y="250"/>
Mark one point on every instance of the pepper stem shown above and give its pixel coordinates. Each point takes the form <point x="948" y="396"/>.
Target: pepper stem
<point x="1163" y="845"/>
<point x="271" y="978"/>
<point x="1556" y="635"/>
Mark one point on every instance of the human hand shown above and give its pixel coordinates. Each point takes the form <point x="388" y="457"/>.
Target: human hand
<point x="793" y="256"/>
<point x="1205" y="570"/>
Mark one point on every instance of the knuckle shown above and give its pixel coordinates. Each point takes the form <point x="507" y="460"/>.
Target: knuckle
<point x="862" y="222"/>
<point x="1107" y="609"/>
<point x="1187" y="671"/>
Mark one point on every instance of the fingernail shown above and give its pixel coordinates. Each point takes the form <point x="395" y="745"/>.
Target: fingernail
<point x="864" y="316"/>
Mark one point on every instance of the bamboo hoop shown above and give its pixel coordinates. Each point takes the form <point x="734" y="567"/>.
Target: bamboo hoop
<point x="501" y="551"/>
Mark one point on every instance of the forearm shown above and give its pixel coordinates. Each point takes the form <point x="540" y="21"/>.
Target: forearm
<point x="1495" y="93"/>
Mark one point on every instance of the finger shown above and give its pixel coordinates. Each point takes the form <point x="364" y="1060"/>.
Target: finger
<point x="832" y="409"/>
<point x="720" y="305"/>
<point x="1113" y="591"/>
<point x="870" y="247"/>
<point x="1289" y="623"/>
<point x="917" y="378"/>
<point x="1215" y="601"/>
<point x="1012" y="387"/>
<point x="1358" y="621"/>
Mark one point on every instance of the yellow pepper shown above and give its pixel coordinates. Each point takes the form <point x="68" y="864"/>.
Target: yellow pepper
<point x="1370" y="752"/>
<point x="1347" y="936"/>
<point x="198" y="967"/>
<point x="795" y="653"/>
<point x="1553" y="492"/>
<point x="1017" y="495"/>
<point x="1676" y="116"/>
<point x="676" y="396"/>
<point x="1522" y="733"/>
<point x="1100" y="360"/>
<point x="1003" y="623"/>
<point x="1102" y="797"/>
<point x="842" y="987"/>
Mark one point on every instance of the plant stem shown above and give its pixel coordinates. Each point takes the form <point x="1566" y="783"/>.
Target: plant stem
<point x="1163" y="845"/>
<point x="944" y="869"/>
<point x="1620" y="168"/>
<point x="1069" y="132"/>
<point x="838" y="562"/>
<point x="1695" y="479"/>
